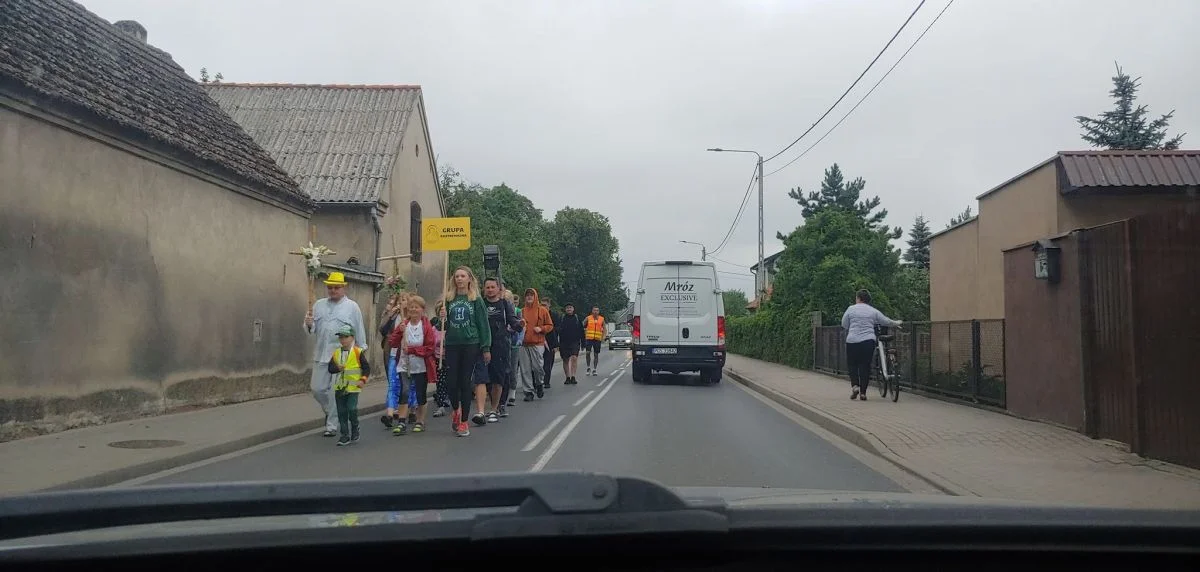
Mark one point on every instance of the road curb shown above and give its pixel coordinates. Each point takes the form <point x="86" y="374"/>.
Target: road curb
<point x="150" y="467"/>
<point x="859" y="437"/>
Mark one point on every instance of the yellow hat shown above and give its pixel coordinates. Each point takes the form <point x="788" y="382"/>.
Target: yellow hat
<point x="336" y="279"/>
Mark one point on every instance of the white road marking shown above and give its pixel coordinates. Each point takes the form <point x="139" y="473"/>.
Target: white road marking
<point x="584" y="398"/>
<point x="558" y="441"/>
<point x="542" y="434"/>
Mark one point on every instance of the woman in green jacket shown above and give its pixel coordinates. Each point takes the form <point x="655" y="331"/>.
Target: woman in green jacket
<point x="467" y="336"/>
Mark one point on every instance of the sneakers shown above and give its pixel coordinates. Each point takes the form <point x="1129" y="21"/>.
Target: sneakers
<point x="503" y="411"/>
<point x="399" y="429"/>
<point x="854" y="393"/>
<point x="493" y="417"/>
<point x="479" y="419"/>
<point x="463" y="430"/>
<point x="386" y="420"/>
<point x="440" y="412"/>
<point x="455" y="419"/>
<point x="354" y="437"/>
<point x="418" y="427"/>
<point x="329" y="433"/>
<point x="343" y="441"/>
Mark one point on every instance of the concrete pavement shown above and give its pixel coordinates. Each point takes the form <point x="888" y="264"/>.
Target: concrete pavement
<point x="968" y="451"/>
<point x="676" y="432"/>
<point x="106" y="454"/>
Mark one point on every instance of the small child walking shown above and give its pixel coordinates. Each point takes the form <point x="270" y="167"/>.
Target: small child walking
<point x="351" y="370"/>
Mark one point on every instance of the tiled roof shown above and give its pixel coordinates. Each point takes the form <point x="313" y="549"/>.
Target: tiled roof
<point x="72" y="62"/>
<point x="338" y="141"/>
<point x="1091" y="169"/>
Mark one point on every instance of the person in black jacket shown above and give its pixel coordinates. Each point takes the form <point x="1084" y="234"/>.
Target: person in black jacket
<point x="551" y="344"/>
<point x="502" y="317"/>
<point x="570" y="336"/>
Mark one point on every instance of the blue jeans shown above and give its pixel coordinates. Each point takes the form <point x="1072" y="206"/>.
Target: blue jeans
<point x="395" y="384"/>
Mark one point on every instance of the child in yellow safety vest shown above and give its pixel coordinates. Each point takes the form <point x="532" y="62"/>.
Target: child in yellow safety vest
<point x="350" y="369"/>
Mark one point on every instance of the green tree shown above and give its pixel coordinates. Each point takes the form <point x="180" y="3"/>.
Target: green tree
<point x="836" y="193"/>
<point x="585" y="251"/>
<point x="834" y="253"/>
<point x="501" y="216"/>
<point x="918" y="243"/>
<point x="735" y="303"/>
<point x="959" y="218"/>
<point x="912" y="293"/>
<point x="1125" y="127"/>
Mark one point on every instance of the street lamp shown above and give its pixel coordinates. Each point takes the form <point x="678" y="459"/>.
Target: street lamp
<point x="703" y="249"/>
<point x="763" y="286"/>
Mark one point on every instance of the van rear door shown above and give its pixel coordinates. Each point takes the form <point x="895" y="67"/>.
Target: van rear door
<point x="696" y="301"/>
<point x="659" y="311"/>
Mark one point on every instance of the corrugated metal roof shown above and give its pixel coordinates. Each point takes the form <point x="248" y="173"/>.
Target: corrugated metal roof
<point x="1092" y="169"/>
<point x="338" y="141"/>
<point x="82" y="66"/>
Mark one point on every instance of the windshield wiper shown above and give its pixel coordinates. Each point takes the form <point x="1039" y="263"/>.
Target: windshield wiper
<point x="553" y="503"/>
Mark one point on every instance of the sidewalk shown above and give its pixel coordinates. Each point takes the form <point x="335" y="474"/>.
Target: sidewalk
<point x="969" y="451"/>
<point x="84" y="458"/>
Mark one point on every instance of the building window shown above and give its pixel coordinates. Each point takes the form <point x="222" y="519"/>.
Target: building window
<point x="414" y="231"/>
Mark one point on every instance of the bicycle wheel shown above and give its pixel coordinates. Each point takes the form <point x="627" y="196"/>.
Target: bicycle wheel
<point x="880" y="379"/>
<point x="895" y="382"/>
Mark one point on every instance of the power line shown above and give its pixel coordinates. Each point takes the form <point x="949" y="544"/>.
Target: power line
<point x="868" y="94"/>
<point x="727" y="262"/>
<point x="738" y="217"/>
<point x="735" y="273"/>
<point x="847" y="92"/>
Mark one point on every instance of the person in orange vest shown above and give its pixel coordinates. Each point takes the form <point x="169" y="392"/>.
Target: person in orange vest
<point x="593" y="336"/>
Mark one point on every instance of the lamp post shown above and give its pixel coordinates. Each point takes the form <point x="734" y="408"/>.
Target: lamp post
<point x="761" y="286"/>
<point x="703" y="249"/>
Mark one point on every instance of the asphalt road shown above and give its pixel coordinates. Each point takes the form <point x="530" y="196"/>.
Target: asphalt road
<point x="675" y="431"/>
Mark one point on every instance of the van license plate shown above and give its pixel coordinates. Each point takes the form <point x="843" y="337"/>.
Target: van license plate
<point x="666" y="350"/>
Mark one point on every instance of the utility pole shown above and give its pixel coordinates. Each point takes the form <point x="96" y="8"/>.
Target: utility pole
<point x="761" y="268"/>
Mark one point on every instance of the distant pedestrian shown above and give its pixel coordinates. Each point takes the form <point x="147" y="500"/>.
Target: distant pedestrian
<point x="859" y="321"/>
<point x="349" y="367"/>
<point x="517" y="339"/>
<point x="551" y="344"/>
<point x="570" y="337"/>
<point x="593" y="337"/>
<point x="323" y="321"/>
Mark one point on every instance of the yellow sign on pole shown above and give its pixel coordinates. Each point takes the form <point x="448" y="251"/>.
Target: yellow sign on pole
<point x="446" y="233"/>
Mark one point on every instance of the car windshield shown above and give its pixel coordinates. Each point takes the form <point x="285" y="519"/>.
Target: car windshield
<point x="253" y="244"/>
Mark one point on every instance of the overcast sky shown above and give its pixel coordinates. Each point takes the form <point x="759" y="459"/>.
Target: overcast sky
<point x="609" y="105"/>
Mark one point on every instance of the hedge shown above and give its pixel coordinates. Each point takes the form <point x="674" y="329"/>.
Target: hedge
<point x="773" y="335"/>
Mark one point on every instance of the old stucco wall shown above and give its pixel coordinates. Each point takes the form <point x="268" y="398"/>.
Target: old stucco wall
<point x="133" y="288"/>
<point x="953" y="273"/>
<point x="414" y="178"/>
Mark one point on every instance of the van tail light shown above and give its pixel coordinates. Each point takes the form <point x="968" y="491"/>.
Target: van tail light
<point x="637" y="328"/>
<point x="721" y="332"/>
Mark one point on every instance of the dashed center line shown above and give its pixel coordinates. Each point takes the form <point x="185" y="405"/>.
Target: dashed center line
<point x="584" y="398"/>
<point x="542" y="434"/>
<point x="558" y="441"/>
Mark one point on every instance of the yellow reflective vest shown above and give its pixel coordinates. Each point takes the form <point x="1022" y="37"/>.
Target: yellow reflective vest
<point x="352" y="371"/>
<point x="593" y="327"/>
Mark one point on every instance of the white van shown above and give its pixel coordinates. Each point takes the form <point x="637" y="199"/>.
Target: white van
<point x="678" y="320"/>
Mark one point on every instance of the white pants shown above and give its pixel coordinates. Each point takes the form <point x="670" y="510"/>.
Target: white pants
<point x="530" y="372"/>
<point x="321" y="385"/>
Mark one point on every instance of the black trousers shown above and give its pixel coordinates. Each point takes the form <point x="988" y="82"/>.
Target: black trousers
<point x="548" y="364"/>
<point x="858" y="360"/>
<point x="460" y="364"/>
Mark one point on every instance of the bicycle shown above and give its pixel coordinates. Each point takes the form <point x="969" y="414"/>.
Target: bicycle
<point x="885" y="365"/>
